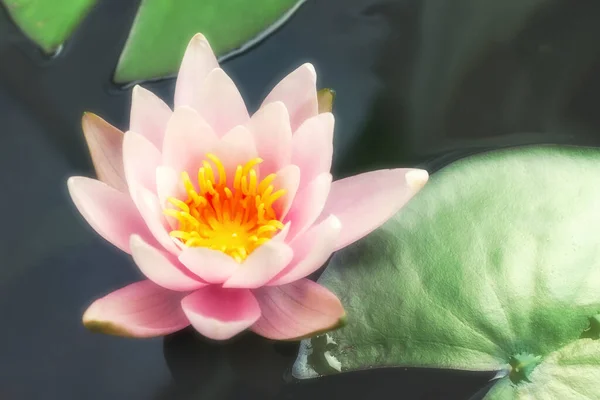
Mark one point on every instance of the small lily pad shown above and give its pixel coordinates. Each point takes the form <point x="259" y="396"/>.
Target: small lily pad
<point x="162" y="30"/>
<point x="48" y="23"/>
<point x="494" y="264"/>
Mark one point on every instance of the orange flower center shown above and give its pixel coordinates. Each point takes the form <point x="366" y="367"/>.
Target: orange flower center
<point x="235" y="218"/>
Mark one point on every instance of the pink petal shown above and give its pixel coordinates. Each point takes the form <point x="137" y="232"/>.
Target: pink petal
<point x="162" y="268"/>
<point x="298" y="91"/>
<point x="364" y="202"/>
<point x="312" y="147"/>
<point x="149" y="115"/>
<point x="282" y="235"/>
<point x="308" y="204"/>
<point x="220" y="103"/>
<point x="260" y="266"/>
<point x="155" y="219"/>
<point x="168" y="184"/>
<point x="311" y="251"/>
<point x="270" y="127"/>
<point x="140" y="159"/>
<point x="210" y="265"/>
<point x="236" y="148"/>
<point x="219" y="313"/>
<point x="198" y="61"/>
<point x="142" y="309"/>
<point x="106" y="148"/>
<point x="297" y="310"/>
<point x="187" y="141"/>
<point x="111" y="213"/>
<point x="288" y="178"/>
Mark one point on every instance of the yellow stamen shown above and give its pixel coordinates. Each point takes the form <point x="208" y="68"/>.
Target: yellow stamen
<point x="179" y="203"/>
<point x="266" y="182"/>
<point x="274" y="197"/>
<point x="180" y="235"/>
<point x="252" y="184"/>
<point x="208" y="169"/>
<point x="220" y="168"/>
<point x="202" y="181"/>
<point x="234" y="218"/>
<point x="251" y="164"/>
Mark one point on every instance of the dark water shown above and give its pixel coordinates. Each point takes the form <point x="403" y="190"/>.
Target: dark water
<point x="418" y="83"/>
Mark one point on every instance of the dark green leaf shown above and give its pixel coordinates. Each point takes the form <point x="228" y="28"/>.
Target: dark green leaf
<point x="162" y="30"/>
<point x="48" y="23"/>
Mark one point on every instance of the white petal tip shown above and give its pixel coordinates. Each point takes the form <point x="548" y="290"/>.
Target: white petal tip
<point x="329" y="117"/>
<point x="138" y="94"/>
<point x="233" y="285"/>
<point x="87" y="116"/>
<point x="198" y="41"/>
<point x="74" y="183"/>
<point x="277" y="104"/>
<point x="135" y="241"/>
<point x="142" y="94"/>
<point x="185" y="109"/>
<point x="198" y="37"/>
<point x="312" y="70"/>
<point x="416" y="179"/>
<point x="71" y="181"/>
<point x="335" y="222"/>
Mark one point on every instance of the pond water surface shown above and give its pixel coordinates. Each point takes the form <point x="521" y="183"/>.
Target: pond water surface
<point x="419" y="83"/>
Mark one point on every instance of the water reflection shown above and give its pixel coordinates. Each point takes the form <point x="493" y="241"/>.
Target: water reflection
<point x="248" y="365"/>
<point x="488" y="74"/>
<point x="251" y="367"/>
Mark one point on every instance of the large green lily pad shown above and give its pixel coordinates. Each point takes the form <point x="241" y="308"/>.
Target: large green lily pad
<point x="498" y="256"/>
<point x="162" y="29"/>
<point x="48" y="22"/>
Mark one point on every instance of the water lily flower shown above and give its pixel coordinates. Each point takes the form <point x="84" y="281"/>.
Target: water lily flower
<point x="224" y="213"/>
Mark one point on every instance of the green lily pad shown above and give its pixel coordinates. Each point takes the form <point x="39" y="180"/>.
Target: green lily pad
<point x="48" y="23"/>
<point x="162" y="30"/>
<point x="497" y="258"/>
<point x="571" y="373"/>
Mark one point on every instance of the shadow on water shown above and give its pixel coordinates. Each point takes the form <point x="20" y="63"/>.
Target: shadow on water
<point x="251" y="367"/>
<point x="418" y="82"/>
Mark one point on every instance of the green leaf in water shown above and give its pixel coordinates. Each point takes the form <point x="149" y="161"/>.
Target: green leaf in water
<point x="593" y="330"/>
<point x="162" y="30"/>
<point x="494" y="265"/>
<point x="570" y="373"/>
<point x="521" y="367"/>
<point x="48" y="23"/>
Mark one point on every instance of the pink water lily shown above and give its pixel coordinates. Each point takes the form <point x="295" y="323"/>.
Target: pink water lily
<point x="224" y="213"/>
